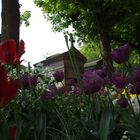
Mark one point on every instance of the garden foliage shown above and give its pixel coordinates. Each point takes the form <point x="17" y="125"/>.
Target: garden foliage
<point x="36" y="104"/>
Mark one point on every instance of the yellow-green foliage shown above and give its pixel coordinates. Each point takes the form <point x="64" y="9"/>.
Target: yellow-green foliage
<point x="91" y="51"/>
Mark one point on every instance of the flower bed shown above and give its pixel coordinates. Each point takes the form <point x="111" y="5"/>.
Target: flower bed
<point x="35" y="106"/>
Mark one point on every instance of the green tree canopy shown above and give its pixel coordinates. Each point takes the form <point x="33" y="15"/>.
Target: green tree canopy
<point x="108" y="21"/>
<point x="91" y="51"/>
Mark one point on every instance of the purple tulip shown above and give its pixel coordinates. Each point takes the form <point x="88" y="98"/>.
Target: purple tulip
<point x="62" y="90"/>
<point x="77" y="90"/>
<point x="74" y="91"/>
<point x="68" y="89"/>
<point x="136" y="74"/>
<point x="50" y="93"/>
<point x="121" y="55"/>
<point x="71" y="82"/>
<point x="119" y="81"/>
<point x="52" y="89"/>
<point x="102" y="72"/>
<point x="59" y="76"/>
<point x="92" y="82"/>
<point x="47" y="95"/>
<point x="27" y="81"/>
<point x="88" y="75"/>
<point x="135" y="89"/>
<point x="122" y="102"/>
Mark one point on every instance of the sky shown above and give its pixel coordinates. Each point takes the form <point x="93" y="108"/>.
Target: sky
<point x="40" y="41"/>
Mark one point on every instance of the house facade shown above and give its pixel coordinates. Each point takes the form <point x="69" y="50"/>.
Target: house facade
<point x="72" y="63"/>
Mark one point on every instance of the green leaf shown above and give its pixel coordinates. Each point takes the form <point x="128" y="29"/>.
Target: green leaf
<point x="4" y="130"/>
<point x="104" y="128"/>
<point x="25" y="131"/>
<point x="40" y="127"/>
<point x="131" y="124"/>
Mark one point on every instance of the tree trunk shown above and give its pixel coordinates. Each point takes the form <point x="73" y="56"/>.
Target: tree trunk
<point x="106" y="49"/>
<point x="10" y="20"/>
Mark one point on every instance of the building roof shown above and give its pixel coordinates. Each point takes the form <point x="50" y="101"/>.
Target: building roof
<point x="94" y="64"/>
<point x="58" y="57"/>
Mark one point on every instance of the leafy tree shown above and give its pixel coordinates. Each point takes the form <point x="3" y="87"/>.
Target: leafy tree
<point x="101" y="20"/>
<point x="129" y="29"/>
<point x="91" y="51"/>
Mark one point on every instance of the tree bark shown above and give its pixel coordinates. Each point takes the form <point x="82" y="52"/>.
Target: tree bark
<point x="106" y="49"/>
<point x="10" y="20"/>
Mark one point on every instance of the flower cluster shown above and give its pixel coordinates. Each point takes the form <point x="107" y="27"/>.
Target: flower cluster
<point x="121" y="55"/>
<point x="92" y="82"/>
<point x="95" y="99"/>
<point x="28" y="81"/>
<point x="9" y="55"/>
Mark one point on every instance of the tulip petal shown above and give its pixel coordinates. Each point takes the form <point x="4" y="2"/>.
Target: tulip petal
<point x="7" y="51"/>
<point x="3" y="81"/>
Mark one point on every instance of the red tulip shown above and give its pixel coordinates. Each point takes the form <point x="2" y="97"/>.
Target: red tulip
<point x="13" y="130"/>
<point x="8" y="52"/>
<point x="8" y="88"/>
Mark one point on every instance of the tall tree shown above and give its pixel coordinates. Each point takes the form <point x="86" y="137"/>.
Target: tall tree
<point x="10" y="20"/>
<point x="91" y="19"/>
